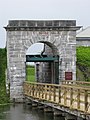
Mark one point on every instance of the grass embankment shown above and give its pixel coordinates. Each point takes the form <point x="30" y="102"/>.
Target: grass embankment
<point x="30" y="73"/>
<point x="83" y="63"/>
<point x="3" y="96"/>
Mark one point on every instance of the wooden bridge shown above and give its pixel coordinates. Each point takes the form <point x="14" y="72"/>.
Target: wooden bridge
<point x="70" y="96"/>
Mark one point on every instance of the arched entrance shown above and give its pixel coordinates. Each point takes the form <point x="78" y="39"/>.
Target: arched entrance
<point x="57" y="34"/>
<point x="46" y="64"/>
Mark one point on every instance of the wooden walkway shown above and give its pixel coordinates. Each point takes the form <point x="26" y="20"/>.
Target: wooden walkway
<point x="71" y="94"/>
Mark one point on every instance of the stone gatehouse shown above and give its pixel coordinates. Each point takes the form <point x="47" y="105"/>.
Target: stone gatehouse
<point x="58" y="35"/>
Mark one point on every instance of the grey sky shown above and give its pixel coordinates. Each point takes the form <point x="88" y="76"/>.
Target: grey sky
<point x="34" y="49"/>
<point x="43" y="9"/>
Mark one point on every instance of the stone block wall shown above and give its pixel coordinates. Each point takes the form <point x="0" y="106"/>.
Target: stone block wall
<point x="60" y="35"/>
<point x="83" y="42"/>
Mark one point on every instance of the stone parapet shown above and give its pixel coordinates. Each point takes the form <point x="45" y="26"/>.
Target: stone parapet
<point x="44" y="25"/>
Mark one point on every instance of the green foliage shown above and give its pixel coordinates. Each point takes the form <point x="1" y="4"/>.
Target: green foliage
<point x="3" y="96"/>
<point x="83" y="63"/>
<point x="30" y="73"/>
<point x="83" y="56"/>
<point x="2" y="64"/>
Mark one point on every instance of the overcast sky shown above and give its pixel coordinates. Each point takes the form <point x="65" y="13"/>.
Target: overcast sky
<point x="78" y="10"/>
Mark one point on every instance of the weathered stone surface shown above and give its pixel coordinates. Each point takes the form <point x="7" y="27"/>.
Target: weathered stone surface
<point x="83" y="42"/>
<point x="59" y="35"/>
<point x="34" y="23"/>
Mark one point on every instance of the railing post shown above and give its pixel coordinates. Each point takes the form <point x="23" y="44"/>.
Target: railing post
<point x="42" y="91"/>
<point x="30" y="89"/>
<point x="36" y="90"/>
<point x="86" y="100"/>
<point x="59" y="94"/>
<point x="54" y="94"/>
<point x="33" y="90"/>
<point x="65" y="96"/>
<point x="45" y="92"/>
<point x="78" y="99"/>
<point x="39" y="91"/>
<point x="49" y="92"/>
<point x="71" y="98"/>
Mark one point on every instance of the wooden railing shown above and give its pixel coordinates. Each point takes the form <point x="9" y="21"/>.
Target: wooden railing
<point x="74" y="82"/>
<point x="75" y="97"/>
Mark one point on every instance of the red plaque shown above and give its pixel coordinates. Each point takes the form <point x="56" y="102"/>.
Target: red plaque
<point x="68" y="75"/>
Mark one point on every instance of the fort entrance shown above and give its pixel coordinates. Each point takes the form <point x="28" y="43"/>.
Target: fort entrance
<point x="58" y="58"/>
<point x="46" y="64"/>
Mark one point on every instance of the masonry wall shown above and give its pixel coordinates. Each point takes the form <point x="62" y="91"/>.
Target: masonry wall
<point x="44" y="71"/>
<point x="60" y="35"/>
<point x="83" y="42"/>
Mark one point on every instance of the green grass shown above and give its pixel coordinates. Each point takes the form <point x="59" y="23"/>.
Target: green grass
<point x="83" y="63"/>
<point x="30" y="73"/>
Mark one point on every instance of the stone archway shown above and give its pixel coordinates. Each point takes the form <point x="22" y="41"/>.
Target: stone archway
<point x="21" y="34"/>
<point x="46" y="63"/>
